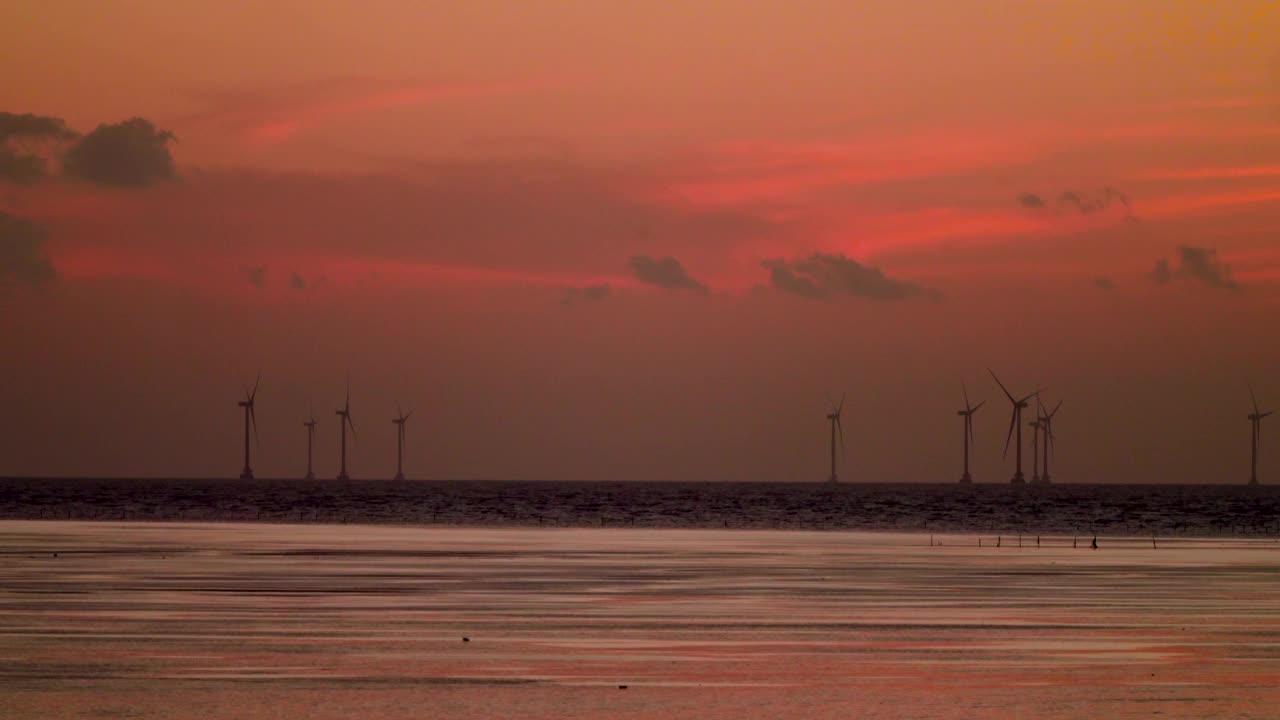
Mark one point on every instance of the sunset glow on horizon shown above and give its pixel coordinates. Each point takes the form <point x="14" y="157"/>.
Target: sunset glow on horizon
<point x="639" y="241"/>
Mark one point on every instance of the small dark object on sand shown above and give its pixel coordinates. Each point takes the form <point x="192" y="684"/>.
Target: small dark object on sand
<point x="622" y="687"/>
<point x="466" y="639"/>
<point x="55" y="554"/>
<point x="1095" y="542"/>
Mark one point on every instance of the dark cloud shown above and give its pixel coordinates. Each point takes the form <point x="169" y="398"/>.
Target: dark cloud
<point x="25" y="142"/>
<point x="22" y="257"/>
<point x="20" y="168"/>
<point x="1104" y="199"/>
<point x="132" y="153"/>
<point x="297" y="282"/>
<point x="1082" y="203"/>
<point x="666" y="272"/>
<point x="824" y="275"/>
<point x="26" y="125"/>
<point x="587" y="293"/>
<point x="1103" y="283"/>
<point x="1195" y="264"/>
<point x="1030" y="200"/>
<point x="257" y="276"/>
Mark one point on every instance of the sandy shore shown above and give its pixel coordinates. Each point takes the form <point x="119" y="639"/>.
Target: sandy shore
<point x="152" y="620"/>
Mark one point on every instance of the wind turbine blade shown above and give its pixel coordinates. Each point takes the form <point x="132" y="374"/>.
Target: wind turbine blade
<point x="1254" y="398"/>
<point x="840" y="407"/>
<point x="1055" y="409"/>
<point x="1035" y="395"/>
<point x="406" y="417"/>
<point x="254" y="394"/>
<point x="1266" y="414"/>
<point x="253" y="420"/>
<point x="968" y="426"/>
<point x="840" y="428"/>
<point x="352" y="424"/>
<point x="965" y="390"/>
<point x="1013" y="421"/>
<point x="975" y="407"/>
<point x="1002" y="387"/>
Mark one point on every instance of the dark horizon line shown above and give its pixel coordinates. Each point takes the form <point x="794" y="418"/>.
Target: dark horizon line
<point x="225" y="478"/>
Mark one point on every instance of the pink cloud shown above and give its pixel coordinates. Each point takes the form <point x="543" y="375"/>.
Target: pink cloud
<point x="266" y="117"/>
<point x="1212" y="173"/>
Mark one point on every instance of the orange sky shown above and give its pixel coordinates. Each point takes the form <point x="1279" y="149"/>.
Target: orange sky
<point x="419" y="193"/>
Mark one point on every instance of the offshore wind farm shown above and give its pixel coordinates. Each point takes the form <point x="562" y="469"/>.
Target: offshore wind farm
<point x="573" y="360"/>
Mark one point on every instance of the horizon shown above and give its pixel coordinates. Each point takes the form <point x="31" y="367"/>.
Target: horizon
<point x="640" y="243"/>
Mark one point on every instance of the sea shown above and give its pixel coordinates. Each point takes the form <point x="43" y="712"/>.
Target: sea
<point x="1062" y="509"/>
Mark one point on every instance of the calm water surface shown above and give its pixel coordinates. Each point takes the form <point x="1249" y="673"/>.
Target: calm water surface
<point x="229" y="620"/>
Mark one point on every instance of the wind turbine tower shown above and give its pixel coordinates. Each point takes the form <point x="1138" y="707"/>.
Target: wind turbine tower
<point x="310" y="425"/>
<point x="345" y="420"/>
<point x="399" y="421"/>
<point x="1050" y="440"/>
<point x="1015" y="425"/>
<point x="1255" y="420"/>
<point x="967" y="414"/>
<point x="249" y="419"/>
<point x="1035" y="426"/>
<point x="834" y="419"/>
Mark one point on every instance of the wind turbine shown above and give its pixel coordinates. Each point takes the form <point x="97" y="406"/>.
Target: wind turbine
<point x="310" y="425"/>
<point x="399" y="421"/>
<point x="249" y="419"/>
<point x="1015" y="423"/>
<point x="834" y="418"/>
<point x="1050" y="441"/>
<point x="967" y="414"/>
<point x="345" y="415"/>
<point x="1256" y="419"/>
<point x="1036" y="426"/>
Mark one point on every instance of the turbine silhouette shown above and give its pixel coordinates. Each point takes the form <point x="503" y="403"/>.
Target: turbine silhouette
<point x="399" y="421"/>
<point x="1255" y="419"/>
<point x="834" y="418"/>
<point x="1015" y="424"/>
<point x="310" y="425"/>
<point x="250" y="419"/>
<point x="344" y="422"/>
<point x="1050" y="440"/>
<point x="967" y="414"/>
<point x="1036" y="426"/>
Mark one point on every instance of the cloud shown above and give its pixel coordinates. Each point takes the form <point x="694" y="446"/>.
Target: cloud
<point x="1103" y="283"/>
<point x="26" y="125"/>
<point x="1080" y="203"/>
<point x="133" y="153"/>
<point x="297" y="282"/>
<point x="25" y="141"/>
<point x="1089" y="204"/>
<point x="1195" y="264"/>
<point x="543" y="221"/>
<point x="666" y="272"/>
<point x="279" y="113"/>
<point x="1030" y="200"/>
<point x="257" y="276"/>
<point x="587" y="293"/>
<point x="824" y="275"/>
<point x="22" y="257"/>
<point x="19" y="168"/>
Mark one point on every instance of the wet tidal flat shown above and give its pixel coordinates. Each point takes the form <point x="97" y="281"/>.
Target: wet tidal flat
<point x="225" y="620"/>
